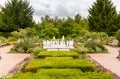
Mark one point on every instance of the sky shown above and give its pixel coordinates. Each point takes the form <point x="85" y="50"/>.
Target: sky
<point x="62" y="8"/>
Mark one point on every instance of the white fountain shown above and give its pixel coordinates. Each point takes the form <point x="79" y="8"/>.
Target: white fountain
<point x="58" y="45"/>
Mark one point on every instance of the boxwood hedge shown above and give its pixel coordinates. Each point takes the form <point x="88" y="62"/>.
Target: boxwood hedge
<point x="84" y="64"/>
<point x="62" y="74"/>
<point x="58" y="54"/>
<point x="59" y="58"/>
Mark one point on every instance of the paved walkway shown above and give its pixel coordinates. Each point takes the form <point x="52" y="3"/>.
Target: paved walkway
<point x="108" y="61"/>
<point x="9" y="61"/>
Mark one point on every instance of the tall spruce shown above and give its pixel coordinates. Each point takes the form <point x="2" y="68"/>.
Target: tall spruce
<point x="15" y="15"/>
<point x="103" y="17"/>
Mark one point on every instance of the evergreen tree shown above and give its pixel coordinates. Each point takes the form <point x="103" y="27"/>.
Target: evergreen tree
<point x="78" y="18"/>
<point x="103" y="17"/>
<point x="16" y="14"/>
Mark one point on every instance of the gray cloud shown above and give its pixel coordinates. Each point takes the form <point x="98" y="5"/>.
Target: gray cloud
<point x="62" y="11"/>
<point x="61" y="8"/>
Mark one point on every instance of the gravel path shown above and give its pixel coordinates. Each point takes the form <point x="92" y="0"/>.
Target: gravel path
<point x="8" y="61"/>
<point x="108" y="61"/>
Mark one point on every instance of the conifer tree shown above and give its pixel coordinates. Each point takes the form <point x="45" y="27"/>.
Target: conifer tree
<point x="16" y="14"/>
<point x="103" y="17"/>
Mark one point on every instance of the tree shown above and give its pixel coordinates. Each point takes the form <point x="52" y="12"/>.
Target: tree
<point x="66" y="28"/>
<point x="78" y="18"/>
<point x="15" y="15"/>
<point x="103" y="17"/>
<point x="49" y="31"/>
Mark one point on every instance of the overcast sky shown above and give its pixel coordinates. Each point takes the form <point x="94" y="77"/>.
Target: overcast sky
<point x="62" y="8"/>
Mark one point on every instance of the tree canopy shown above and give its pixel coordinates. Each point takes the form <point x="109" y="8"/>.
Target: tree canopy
<point x="15" y="15"/>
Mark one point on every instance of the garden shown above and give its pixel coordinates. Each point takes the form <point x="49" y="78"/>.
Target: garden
<point x="90" y="35"/>
<point x="72" y="64"/>
<point x="60" y="65"/>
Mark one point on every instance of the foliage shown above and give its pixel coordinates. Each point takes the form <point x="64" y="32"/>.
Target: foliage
<point x="95" y="47"/>
<point x="23" y="45"/>
<point x="69" y="27"/>
<point x="118" y="36"/>
<point x="49" y="31"/>
<point x="15" y="15"/>
<point x="5" y="34"/>
<point x="62" y="74"/>
<point x="58" y="58"/>
<point x="82" y="50"/>
<point x="100" y="37"/>
<point x="2" y="40"/>
<point x="58" y="54"/>
<point x="5" y="76"/>
<point x="11" y="40"/>
<point x="103" y="17"/>
<point x="78" y="18"/>
<point x="7" y="41"/>
<point x="66" y="28"/>
<point x="37" y="50"/>
<point x="21" y="33"/>
<point x="84" y="65"/>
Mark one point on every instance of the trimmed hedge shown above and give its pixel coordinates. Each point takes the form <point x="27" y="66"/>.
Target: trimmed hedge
<point x="58" y="54"/>
<point x="84" y="65"/>
<point x="62" y="74"/>
<point x="59" y="58"/>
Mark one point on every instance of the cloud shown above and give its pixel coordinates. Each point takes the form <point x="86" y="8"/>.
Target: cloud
<point x="62" y="8"/>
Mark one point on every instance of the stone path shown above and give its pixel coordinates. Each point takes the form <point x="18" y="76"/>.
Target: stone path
<point x="8" y="61"/>
<point x="108" y="61"/>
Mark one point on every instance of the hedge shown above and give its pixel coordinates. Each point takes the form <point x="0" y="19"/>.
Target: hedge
<point x="58" y="54"/>
<point x="62" y="74"/>
<point x="84" y="65"/>
<point x="59" y="58"/>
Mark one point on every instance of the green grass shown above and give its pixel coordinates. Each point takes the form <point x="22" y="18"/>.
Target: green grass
<point x="58" y="54"/>
<point x="83" y="64"/>
<point x="62" y="74"/>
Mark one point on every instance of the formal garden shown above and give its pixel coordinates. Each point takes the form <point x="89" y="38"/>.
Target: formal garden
<point x="89" y="36"/>
<point x="73" y="64"/>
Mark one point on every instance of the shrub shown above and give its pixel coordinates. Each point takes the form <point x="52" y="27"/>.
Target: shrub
<point x="84" y="65"/>
<point x="82" y="50"/>
<point x="5" y="34"/>
<point x="99" y="36"/>
<point x="95" y="47"/>
<point x="37" y="50"/>
<point x="118" y="36"/>
<point x="59" y="58"/>
<point x="21" y="33"/>
<point x="2" y="40"/>
<point x="58" y="54"/>
<point x="62" y="74"/>
<point x="23" y="45"/>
